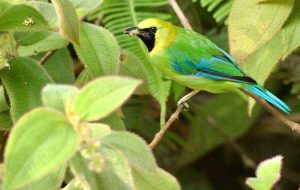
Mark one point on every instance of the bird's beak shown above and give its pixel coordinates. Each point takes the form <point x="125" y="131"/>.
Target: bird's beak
<point x="132" y="31"/>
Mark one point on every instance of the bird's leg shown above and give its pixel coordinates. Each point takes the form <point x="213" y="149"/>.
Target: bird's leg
<point x="186" y="98"/>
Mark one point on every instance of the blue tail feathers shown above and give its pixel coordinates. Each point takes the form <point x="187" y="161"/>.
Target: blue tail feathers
<point x="268" y="96"/>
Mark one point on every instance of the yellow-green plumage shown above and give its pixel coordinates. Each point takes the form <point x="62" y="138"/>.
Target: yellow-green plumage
<point x="193" y="60"/>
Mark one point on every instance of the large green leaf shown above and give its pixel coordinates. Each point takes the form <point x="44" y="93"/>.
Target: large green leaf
<point x="129" y="13"/>
<point x="40" y="142"/>
<point x="98" y="50"/>
<point x="4" y="4"/>
<point x="102" y="96"/>
<point x="251" y="24"/>
<point x="47" y="10"/>
<point x="267" y="174"/>
<point x="83" y="7"/>
<point x="133" y="66"/>
<point x="154" y="180"/>
<point x="52" y="42"/>
<point x="290" y="31"/>
<point x="23" y="81"/>
<point x="67" y="20"/>
<point x="116" y="173"/>
<point x="260" y="64"/>
<point x="60" y="67"/>
<point x="131" y="146"/>
<point x="51" y="181"/>
<point x="58" y="96"/>
<point x="28" y="38"/>
<point x="22" y="18"/>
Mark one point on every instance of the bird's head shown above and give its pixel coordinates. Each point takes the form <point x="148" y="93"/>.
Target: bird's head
<point x="152" y="32"/>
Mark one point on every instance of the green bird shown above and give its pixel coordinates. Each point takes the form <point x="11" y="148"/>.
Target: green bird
<point x="192" y="60"/>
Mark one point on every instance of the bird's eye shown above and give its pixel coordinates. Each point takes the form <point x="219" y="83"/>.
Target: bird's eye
<point x="153" y="29"/>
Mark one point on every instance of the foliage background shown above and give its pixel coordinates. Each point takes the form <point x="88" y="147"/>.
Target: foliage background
<point x="215" y="144"/>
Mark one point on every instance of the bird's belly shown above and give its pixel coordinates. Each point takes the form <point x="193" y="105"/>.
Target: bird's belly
<point x="202" y="83"/>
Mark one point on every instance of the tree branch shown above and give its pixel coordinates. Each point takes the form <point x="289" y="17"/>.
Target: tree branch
<point x="46" y="57"/>
<point x="291" y="124"/>
<point x="184" y="21"/>
<point x="158" y="136"/>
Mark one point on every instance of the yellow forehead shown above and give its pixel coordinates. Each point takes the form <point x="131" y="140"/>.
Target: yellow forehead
<point x="150" y="22"/>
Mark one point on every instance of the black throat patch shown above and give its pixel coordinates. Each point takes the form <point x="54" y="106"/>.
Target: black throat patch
<point x="147" y="35"/>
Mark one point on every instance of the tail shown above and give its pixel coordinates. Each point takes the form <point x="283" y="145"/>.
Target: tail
<point x="268" y="96"/>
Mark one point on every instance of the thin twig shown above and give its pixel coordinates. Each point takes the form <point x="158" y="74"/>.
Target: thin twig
<point x="165" y="127"/>
<point x="184" y="21"/>
<point x="46" y="57"/>
<point x="291" y="124"/>
<point x="247" y="160"/>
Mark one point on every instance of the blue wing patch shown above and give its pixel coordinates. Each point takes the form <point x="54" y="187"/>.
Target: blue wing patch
<point x="214" y="68"/>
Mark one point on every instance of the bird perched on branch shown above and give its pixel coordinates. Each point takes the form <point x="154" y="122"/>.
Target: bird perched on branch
<point x="192" y="60"/>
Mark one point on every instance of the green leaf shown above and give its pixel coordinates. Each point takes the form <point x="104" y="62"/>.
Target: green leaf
<point x="115" y="122"/>
<point x="28" y="38"/>
<point x="86" y="6"/>
<point x="51" y="181"/>
<point x="23" y="81"/>
<point x="99" y="130"/>
<point x="267" y="174"/>
<point x="4" y="4"/>
<point x="251" y="25"/>
<point x="133" y="66"/>
<point x="5" y="120"/>
<point x="116" y="173"/>
<point x="40" y="142"/>
<point x="60" y="67"/>
<point x="102" y="96"/>
<point x="290" y="30"/>
<point x="131" y="145"/>
<point x="260" y="64"/>
<point x="220" y="8"/>
<point x="47" y="10"/>
<point x="52" y="42"/>
<point x="154" y="180"/>
<point x="67" y="19"/>
<point x="58" y="96"/>
<point x="98" y="50"/>
<point x="22" y="18"/>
